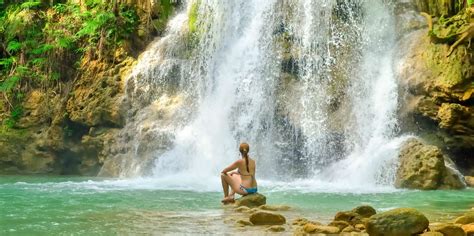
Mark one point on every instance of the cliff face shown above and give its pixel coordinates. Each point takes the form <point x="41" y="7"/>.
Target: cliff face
<point x="437" y="78"/>
<point x="68" y="127"/>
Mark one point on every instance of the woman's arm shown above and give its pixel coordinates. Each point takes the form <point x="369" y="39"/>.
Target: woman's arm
<point x="231" y="167"/>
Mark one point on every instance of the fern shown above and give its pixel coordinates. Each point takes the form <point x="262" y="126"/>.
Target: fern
<point x="9" y="84"/>
<point x="13" y="46"/>
<point x="30" y="4"/>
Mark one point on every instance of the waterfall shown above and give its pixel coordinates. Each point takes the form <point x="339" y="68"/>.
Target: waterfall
<point x="308" y="84"/>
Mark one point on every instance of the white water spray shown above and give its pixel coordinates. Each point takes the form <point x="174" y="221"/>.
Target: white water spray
<point x="204" y="92"/>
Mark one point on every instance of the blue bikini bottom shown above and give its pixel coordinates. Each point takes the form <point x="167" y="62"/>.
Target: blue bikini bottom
<point x="248" y="190"/>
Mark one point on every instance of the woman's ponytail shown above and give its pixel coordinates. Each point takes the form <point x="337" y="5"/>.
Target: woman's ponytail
<point x="244" y="150"/>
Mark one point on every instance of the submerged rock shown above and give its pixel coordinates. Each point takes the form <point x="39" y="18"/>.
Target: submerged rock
<point x="267" y="218"/>
<point x="397" y="222"/>
<point x="274" y="207"/>
<point x="423" y="167"/>
<point x="251" y="200"/>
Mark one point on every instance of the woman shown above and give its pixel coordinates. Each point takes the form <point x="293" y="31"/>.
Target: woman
<point x="241" y="181"/>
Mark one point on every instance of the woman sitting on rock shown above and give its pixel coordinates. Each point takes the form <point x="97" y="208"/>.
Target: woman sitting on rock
<point x="241" y="181"/>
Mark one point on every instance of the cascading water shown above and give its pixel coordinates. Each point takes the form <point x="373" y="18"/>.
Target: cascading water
<point x="308" y="84"/>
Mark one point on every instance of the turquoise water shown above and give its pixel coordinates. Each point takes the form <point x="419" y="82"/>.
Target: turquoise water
<point x="84" y="206"/>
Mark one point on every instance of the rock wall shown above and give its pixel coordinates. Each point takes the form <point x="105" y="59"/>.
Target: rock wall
<point x="437" y="88"/>
<point x="71" y="132"/>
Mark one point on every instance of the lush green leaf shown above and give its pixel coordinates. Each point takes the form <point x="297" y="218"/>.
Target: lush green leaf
<point x="9" y="83"/>
<point x="30" y="4"/>
<point x="43" y="48"/>
<point x="13" y="46"/>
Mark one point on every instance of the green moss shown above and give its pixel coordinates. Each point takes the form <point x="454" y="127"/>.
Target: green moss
<point x="448" y="70"/>
<point x="193" y="17"/>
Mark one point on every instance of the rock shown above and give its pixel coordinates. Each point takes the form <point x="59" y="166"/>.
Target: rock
<point x="349" y="228"/>
<point x="244" y="222"/>
<point x="447" y="229"/>
<point x="353" y="234"/>
<point x="274" y="207"/>
<point x="303" y="221"/>
<point x="365" y="211"/>
<point x="312" y="228"/>
<point x="242" y="209"/>
<point x="348" y="216"/>
<point x="360" y="227"/>
<point x="251" y="200"/>
<point x="423" y="167"/>
<point x="469" y="229"/>
<point x="436" y="93"/>
<point x="431" y="233"/>
<point x="340" y="224"/>
<point x="267" y="218"/>
<point x="276" y="228"/>
<point x="397" y="222"/>
<point x="467" y="218"/>
<point x="469" y="180"/>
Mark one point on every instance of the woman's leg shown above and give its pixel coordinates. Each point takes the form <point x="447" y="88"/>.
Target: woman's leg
<point x="234" y="182"/>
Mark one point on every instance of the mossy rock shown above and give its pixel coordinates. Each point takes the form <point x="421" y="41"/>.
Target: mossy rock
<point x="251" y="200"/>
<point x="267" y="218"/>
<point x="397" y="222"/>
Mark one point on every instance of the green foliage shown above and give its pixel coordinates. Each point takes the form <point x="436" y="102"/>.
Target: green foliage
<point x="15" y="115"/>
<point x="8" y="84"/>
<point x="37" y="41"/>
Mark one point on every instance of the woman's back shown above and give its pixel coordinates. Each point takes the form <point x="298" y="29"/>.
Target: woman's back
<point x="248" y="177"/>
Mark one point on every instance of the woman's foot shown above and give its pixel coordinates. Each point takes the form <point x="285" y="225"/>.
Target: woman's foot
<point x="227" y="200"/>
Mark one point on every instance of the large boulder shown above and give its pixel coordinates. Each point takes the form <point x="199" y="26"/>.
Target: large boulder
<point x="267" y="218"/>
<point x="397" y="222"/>
<point x="423" y="166"/>
<point x="251" y="200"/>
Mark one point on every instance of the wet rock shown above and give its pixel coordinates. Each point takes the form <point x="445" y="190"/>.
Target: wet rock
<point x="397" y="222"/>
<point x="267" y="218"/>
<point x="242" y="209"/>
<point x="423" y="167"/>
<point x="303" y="221"/>
<point x="469" y="180"/>
<point x="365" y="211"/>
<point x="437" y="95"/>
<point x="349" y="229"/>
<point x="350" y="217"/>
<point x="244" y="222"/>
<point x="251" y="200"/>
<point x="312" y="228"/>
<point x="276" y="228"/>
<point x="340" y="224"/>
<point x="360" y="227"/>
<point x="469" y="229"/>
<point x="431" y="233"/>
<point x="447" y="229"/>
<point x="467" y="218"/>
<point x="274" y="207"/>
